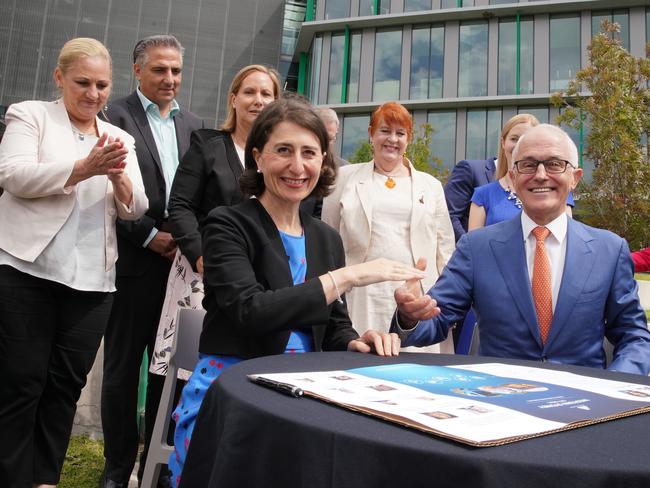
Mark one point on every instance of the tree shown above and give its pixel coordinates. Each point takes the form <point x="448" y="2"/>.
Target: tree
<point x="615" y="105"/>
<point x="418" y="152"/>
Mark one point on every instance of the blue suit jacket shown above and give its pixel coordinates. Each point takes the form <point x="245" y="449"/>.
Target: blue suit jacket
<point x="597" y="298"/>
<point x="459" y="189"/>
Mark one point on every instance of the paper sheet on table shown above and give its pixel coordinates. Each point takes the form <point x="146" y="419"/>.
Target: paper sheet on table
<point x="478" y="404"/>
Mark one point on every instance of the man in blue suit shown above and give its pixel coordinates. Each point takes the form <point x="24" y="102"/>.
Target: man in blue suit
<point x="591" y="290"/>
<point x="465" y="177"/>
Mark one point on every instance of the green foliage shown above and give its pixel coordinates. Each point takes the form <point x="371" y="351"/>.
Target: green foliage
<point x="418" y="152"/>
<point x="362" y="154"/>
<point x="84" y="462"/>
<point x="612" y="96"/>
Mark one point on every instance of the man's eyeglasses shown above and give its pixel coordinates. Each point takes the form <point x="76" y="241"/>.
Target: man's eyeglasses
<point x="552" y="166"/>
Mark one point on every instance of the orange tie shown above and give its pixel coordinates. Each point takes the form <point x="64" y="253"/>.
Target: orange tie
<point x="542" y="283"/>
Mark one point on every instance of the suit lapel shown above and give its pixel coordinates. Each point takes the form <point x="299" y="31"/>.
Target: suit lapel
<point x="364" y="191"/>
<point x="182" y="134"/>
<point x="490" y="169"/>
<point x="233" y="158"/>
<point x="418" y="202"/>
<point x="579" y="257"/>
<point x="275" y="241"/>
<point x="60" y="115"/>
<point x="142" y="123"/>
<point x="510" y="256"/>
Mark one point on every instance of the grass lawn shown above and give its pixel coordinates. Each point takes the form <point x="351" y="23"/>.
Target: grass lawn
<point x="642" y="276"/>
<point x="83" y="464"/>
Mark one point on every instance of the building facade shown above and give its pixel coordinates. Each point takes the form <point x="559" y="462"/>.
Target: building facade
<point x="464" y="66"/>
<point x="220" y="37"/>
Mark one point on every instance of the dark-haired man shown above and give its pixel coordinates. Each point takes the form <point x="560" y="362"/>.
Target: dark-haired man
<point x="146" y="249"/>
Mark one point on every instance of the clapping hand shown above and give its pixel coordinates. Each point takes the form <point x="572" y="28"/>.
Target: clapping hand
<point x="107" y="157"/>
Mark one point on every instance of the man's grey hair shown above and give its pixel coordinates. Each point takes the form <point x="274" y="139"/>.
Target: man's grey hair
<point x="140" y="55"/>
<point x="570" y="145"/>
<point x="327" y="114"/>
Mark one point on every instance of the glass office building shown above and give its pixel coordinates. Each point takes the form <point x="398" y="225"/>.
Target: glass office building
<point x="219" y="36"/>
<point x="464" y="66"/>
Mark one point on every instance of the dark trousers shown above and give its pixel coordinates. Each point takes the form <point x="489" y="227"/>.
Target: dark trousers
<point x="131" y="328"/>
<point x="49" y="336"/>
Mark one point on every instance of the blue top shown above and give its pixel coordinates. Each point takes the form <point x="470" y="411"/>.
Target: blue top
<point x="300" y="340"/>
<point x="500" y="204"/>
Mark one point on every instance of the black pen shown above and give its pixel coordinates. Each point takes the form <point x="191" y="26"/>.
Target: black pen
<point x="285" y="388"/>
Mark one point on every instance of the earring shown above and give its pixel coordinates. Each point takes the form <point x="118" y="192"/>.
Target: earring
<point x="259" y="171"/>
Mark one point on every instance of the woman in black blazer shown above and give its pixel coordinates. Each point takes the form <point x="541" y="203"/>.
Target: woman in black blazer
<point x="207" y="176"/>
<point x="275" y="276"/>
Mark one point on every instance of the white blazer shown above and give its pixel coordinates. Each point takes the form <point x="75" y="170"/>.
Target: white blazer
<point x="37" y="156"/>
<point x="349" y="210"/>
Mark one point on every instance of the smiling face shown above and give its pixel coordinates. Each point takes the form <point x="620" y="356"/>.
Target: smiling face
<point x="389" y="143"/>
<point x="510" y="140"/>
<point x="290" y="163"/>
<point x="255" y="93"/>
<point x="544" y="195"/>
<point x="85" y="87"/>
<point x="160" y="77"/>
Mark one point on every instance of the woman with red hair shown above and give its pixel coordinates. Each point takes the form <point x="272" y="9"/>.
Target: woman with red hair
<point x="386" y="208"/>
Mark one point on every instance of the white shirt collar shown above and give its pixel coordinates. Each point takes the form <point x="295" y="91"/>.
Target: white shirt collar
<point x="558" y="227"/>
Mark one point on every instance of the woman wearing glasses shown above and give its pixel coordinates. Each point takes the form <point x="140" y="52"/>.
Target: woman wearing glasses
<point x="497" y="201"/>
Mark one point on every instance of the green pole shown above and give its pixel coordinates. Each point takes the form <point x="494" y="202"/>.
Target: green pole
<point x="376" y="7"/>
<point x="309" y="12"/>
<point x="302" y="73"/>
<point x="142" y="388"/>
<point x="518" y="65"/>
<point x="346" y="63"/>
<point x="459" y="3"/>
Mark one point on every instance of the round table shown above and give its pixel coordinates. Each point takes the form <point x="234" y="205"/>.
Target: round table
<point x="249" y="436"/>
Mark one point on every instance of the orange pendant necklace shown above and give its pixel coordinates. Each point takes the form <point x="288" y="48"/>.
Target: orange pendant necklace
<point x="390" y="183"/>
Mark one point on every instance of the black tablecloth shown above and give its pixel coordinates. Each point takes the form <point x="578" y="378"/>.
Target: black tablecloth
<point x="250" y="436"/>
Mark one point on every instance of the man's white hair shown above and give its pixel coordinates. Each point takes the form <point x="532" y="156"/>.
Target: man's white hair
<point x="555" y="130"/>
<point x="327" y="114"/>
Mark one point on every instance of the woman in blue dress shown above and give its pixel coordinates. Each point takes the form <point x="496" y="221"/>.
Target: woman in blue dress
<point x="497" y="201"/>
<point x="274" y="276"/>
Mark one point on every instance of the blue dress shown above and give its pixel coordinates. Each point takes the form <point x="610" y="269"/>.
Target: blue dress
<point x="500" y="204"/>
<point x="210" y="367"/>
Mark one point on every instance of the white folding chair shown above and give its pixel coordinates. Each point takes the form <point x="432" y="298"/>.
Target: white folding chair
<point x="185" y="354"/>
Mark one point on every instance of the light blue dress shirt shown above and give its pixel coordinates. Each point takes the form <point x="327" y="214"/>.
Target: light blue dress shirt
<point x="164" y="133"/>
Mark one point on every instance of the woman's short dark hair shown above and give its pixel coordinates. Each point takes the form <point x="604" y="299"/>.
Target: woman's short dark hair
<point x="287" y="109"/>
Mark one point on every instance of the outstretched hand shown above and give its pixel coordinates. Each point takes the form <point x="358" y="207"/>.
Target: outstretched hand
<point x="412" y="304"/>
<point x="383" y="344"/>
<point x="383" y="269"/>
